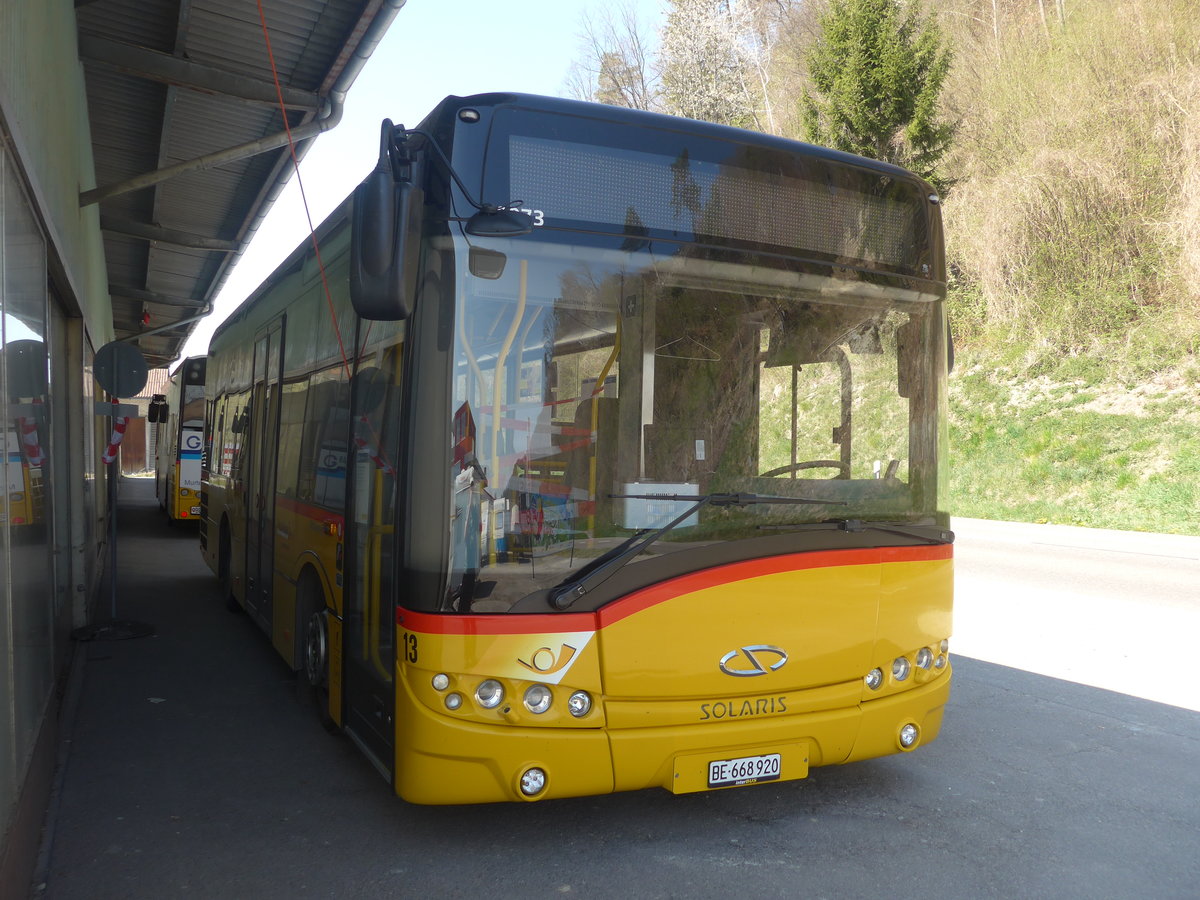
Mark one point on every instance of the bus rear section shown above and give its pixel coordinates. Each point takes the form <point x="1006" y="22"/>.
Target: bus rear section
<point x="180" y="442"/>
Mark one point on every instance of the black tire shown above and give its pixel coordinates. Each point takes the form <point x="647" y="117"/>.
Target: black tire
<point x="314" y="662"/>
<point x="224" y="576"/>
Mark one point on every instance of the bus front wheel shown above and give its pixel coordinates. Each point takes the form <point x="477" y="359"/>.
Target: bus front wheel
<point x="224" y="571"/>
<point x="315" y="669"/>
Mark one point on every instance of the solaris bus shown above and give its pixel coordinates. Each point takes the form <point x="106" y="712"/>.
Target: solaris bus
<point x="595" y="450"/>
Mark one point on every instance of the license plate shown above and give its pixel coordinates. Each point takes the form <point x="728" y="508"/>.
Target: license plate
<point x="743" y="770"/>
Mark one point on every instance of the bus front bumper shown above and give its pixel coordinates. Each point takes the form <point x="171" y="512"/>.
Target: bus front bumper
<point x="443" y="760"/>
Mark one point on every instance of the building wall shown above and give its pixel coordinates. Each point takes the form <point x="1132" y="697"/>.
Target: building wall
<point x="54" y="313"/>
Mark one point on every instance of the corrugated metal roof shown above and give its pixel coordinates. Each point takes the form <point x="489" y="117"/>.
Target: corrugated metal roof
<point x="172" y="81"/>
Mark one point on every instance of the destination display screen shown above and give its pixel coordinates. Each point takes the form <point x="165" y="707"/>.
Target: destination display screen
<point x="648" y="183"/>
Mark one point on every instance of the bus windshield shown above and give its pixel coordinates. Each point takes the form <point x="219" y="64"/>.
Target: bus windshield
<point x="599" y="393"/>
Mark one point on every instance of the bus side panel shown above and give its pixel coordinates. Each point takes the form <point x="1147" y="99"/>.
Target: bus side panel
<point x="305" y="537"/>
<point x="215" y="502"/>
<point x="284" y="626"/>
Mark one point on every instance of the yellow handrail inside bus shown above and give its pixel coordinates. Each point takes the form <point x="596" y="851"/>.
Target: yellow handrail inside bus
<point x="497" y="397"/>
<point x="462" y="336"/>
<point x="596" y="391"/>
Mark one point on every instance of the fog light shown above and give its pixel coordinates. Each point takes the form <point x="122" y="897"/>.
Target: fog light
<point x="580" y="704"/>
<point x="537" y="699"/>
<point x="489" y="694"/>
<point x="908" y="736"/>
<point x="924" y="658"/>
<point x="453" y="701"/>
<point x="532" y="782"/>
<point x="901" y="667"/>
<point x="441" y="682"/>
<point x="874" y="679"/>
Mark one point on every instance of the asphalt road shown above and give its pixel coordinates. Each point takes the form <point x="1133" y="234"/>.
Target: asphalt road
<point x="1113" y="609"/>
<point x="196" y="772"/>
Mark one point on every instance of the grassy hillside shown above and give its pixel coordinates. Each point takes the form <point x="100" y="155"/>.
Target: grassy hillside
<point x="1074" y="244"/>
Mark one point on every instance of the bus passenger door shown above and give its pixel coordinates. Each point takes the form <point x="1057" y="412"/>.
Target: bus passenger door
<point x="260" y="490"/>
<point x="368" y="656"/>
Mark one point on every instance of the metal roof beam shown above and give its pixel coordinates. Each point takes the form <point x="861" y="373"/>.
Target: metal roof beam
<point x="221" y="157"/>
<point x="144" y="296"/>
<point x="162" y="235"/>
<point x="150" y="64"/>
<point x="165" y="328"/>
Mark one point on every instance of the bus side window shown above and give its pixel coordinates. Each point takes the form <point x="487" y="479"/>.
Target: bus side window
<point x="323" y="457"/>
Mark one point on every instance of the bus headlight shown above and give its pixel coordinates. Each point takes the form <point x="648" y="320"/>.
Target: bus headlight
<point x="874" y="679"/>
<point x="453" y="701"/>
<point x="441" y="681"/>
<point x="537" y="699"/>
<point x="533" y="781"/>
<point x="580" y="704"/>
<point x="901" y="667"/>
<point x="924" y="658"/>
<point x="489" y="694"/>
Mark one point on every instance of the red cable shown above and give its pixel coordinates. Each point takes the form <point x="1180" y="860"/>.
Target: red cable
<point x="303" y="196"/>
<point x="376" y="455"/>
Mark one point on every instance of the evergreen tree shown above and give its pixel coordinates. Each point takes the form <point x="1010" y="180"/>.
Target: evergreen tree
<point x="877" y="70"/>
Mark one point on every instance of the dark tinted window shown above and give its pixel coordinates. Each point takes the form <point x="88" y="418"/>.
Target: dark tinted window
<point x="649" y="183"/>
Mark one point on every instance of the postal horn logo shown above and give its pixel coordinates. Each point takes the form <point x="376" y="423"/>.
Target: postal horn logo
<point x="757" y="659"/>
<point x="547" y="662"/>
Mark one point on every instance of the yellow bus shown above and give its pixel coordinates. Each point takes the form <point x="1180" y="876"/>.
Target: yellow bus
<point x="179" y="419"/>
<point x="597" y="450"/>
<point x="15" y="503"/>
<point x="21" y="458"/>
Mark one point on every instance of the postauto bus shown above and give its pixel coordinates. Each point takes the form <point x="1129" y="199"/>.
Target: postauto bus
<point x="597" y="450"/>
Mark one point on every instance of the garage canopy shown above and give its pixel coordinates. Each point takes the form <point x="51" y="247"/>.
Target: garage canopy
<point x="189" y="140"/>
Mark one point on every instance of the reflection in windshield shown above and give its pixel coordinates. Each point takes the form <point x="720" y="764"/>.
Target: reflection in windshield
<point x="596" y="393"/>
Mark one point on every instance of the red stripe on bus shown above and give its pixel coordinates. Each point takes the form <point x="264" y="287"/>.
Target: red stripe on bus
<point x="316" y="513"/>
<point x="551" y="623"/>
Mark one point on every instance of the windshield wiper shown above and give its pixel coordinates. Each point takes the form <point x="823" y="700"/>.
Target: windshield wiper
<point x="919" y="532"/>
<point x="566" y="592"/>
<point x="930" y="534"/>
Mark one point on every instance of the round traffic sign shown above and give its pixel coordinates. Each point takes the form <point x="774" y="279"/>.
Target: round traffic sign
<point x="120" y="369"/>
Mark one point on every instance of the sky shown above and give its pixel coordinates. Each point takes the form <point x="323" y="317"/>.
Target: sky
<point x="434" y="48"/>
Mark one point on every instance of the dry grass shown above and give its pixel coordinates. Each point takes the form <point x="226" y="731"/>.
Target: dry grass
<point x="1075" y="226"/>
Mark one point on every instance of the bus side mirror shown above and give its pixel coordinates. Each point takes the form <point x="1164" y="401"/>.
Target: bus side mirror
<point x="157" y="411"/>
<point x="384" y="243"/>
<point x="495" y="222"/>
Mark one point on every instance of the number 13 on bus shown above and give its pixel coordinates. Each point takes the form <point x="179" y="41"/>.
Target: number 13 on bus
<point x="612" y="456"/>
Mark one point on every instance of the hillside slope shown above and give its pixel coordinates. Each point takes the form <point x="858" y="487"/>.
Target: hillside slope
<point x="1074" y="245"/>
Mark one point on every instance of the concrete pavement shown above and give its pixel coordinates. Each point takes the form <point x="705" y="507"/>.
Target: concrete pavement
<point x="191" y="752"/>
<point x="194" y="769"/>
